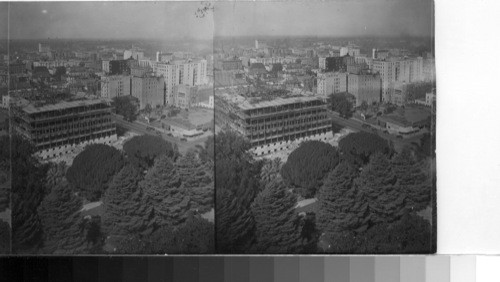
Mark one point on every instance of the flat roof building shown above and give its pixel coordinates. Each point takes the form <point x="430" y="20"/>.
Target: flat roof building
<point x="55" y="129"/>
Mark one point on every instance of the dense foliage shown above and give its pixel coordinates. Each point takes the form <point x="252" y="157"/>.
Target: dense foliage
<point x="191" y="237"/>
<point x="163" y="190"/>
<point x="307" y="166"/>
<point x="126" y="106"/>
<point x="277" y="224"/>
<point x="61" y="221"/>
<point x="93" y="169"/>
<point x="142" y="150"/>
<point x="198" y="181"/>
<point x="337" y="200"/>
<point x="341" y="103"/>
<point x="125" y="211"/>
<point x="27" y="192"/>
<point x="358" y="147"/>
<point x="4" y="238"/>
<point x="237" y="185"/>
<point x="409" y="235"/>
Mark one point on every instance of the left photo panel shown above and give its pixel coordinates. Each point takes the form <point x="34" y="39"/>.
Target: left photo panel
<point x="5" y="179"/>
<point x="111" y="128"/>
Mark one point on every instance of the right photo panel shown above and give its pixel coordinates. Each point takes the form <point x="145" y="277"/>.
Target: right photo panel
<point x="325" y="127"/>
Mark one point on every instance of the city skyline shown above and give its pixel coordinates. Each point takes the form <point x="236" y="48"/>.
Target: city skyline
<point x="105" y="20"/>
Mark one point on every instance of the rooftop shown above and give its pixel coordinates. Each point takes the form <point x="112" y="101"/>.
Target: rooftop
<point x="246" y="105"/>
<point x="31" y="108"/>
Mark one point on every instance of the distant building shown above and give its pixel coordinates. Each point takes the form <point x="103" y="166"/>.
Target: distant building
<point x="350" y="50"/>
<point x="365" y="87"/>
<point x="185" y="96"/>
<point x="115" y="86"/>
<point x="117" y="67"/>
<point x="397" y="70"/>
<point x="331" y="83"/>
<point x="182" y="72"/>
<point x="55" y="129"/>
<point x="134" y="54"/>
<point x="231" y="64"/>
<point x="42" y="48"/>
<point x="148" y="89"/>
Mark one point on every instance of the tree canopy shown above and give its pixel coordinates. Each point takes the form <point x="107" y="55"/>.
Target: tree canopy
<point x="277" y="224"/>
<point x="126" y="106"/>
<point x="163" y="189"/>
<point x="307" y="166"/>
<point x="27" y="192"/>
<point x="125" y="211"/>
<point x="237" y="185"/>
<point x="337" y="201"/>
<point x="359" y="146"/>
<point x="93" y="169"/>
<point x="61" y="220"/>
<point x="341" y="103"/>
<point x="197" y="179"/>
<point x="4" y="237"/>
<point x="142" y="150"/>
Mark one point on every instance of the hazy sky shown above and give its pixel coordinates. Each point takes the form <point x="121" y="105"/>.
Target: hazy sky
<point x="113" y="20"/>
<point x="328" y="18"/>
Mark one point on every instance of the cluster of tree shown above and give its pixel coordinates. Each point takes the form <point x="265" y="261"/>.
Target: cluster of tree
<point x="357" y="208"/>
<point x="93" y="168"/>
<point x="148" y="208"/>
<point x="255" y="210"/>
<point x="342" y="104"/>
<point x="142" y="150"/>
<point x="307" y="166"/>
<point x="4" y="172"/>
<point x="48" y="210"/>
<point x="358" y="147"/>
<point x="4" y="237"/>
<point x="127" y="106"/>
<point x="27" y="192"/>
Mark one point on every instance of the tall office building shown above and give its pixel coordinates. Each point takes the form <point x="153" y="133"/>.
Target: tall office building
<point x="365" y="87"/>
<point x="397" y="70"/>
<point x="331" y="83"/>
<point x="115" y="86"/>
<point x="148" y="89"/>
<point x="184" y="72"/>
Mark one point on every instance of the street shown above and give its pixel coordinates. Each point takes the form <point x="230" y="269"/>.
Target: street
<point x="183" y="146"/>
<point x="357" y="125"/>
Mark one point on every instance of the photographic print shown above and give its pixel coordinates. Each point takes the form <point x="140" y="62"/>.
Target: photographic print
<point x="325" y="127"/>
<point x="111" y="121"/>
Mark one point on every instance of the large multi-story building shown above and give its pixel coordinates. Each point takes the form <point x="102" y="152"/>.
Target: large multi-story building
<point x="55" y="129"/>
<point x="115" y="86"/>
<point x="148" y="89"/>
<point x="397" y="70"/>
<point x="271" y="126"/>
<point x="185" y="96"/>
<point x="114" y="67"/>
<point x="184" y="72"/>
<point x="331" y="83"/>
<point x="365" y="87"/>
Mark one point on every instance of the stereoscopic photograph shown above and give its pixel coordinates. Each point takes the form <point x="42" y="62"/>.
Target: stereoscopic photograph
<point x="111" y="127"/>
<point x="225" y="127"/>
<point x="325" y="127"/>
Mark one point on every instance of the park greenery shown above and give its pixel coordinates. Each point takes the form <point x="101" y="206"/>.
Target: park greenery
<point x="363" y="188"/>
<point x="150" y="199"/>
